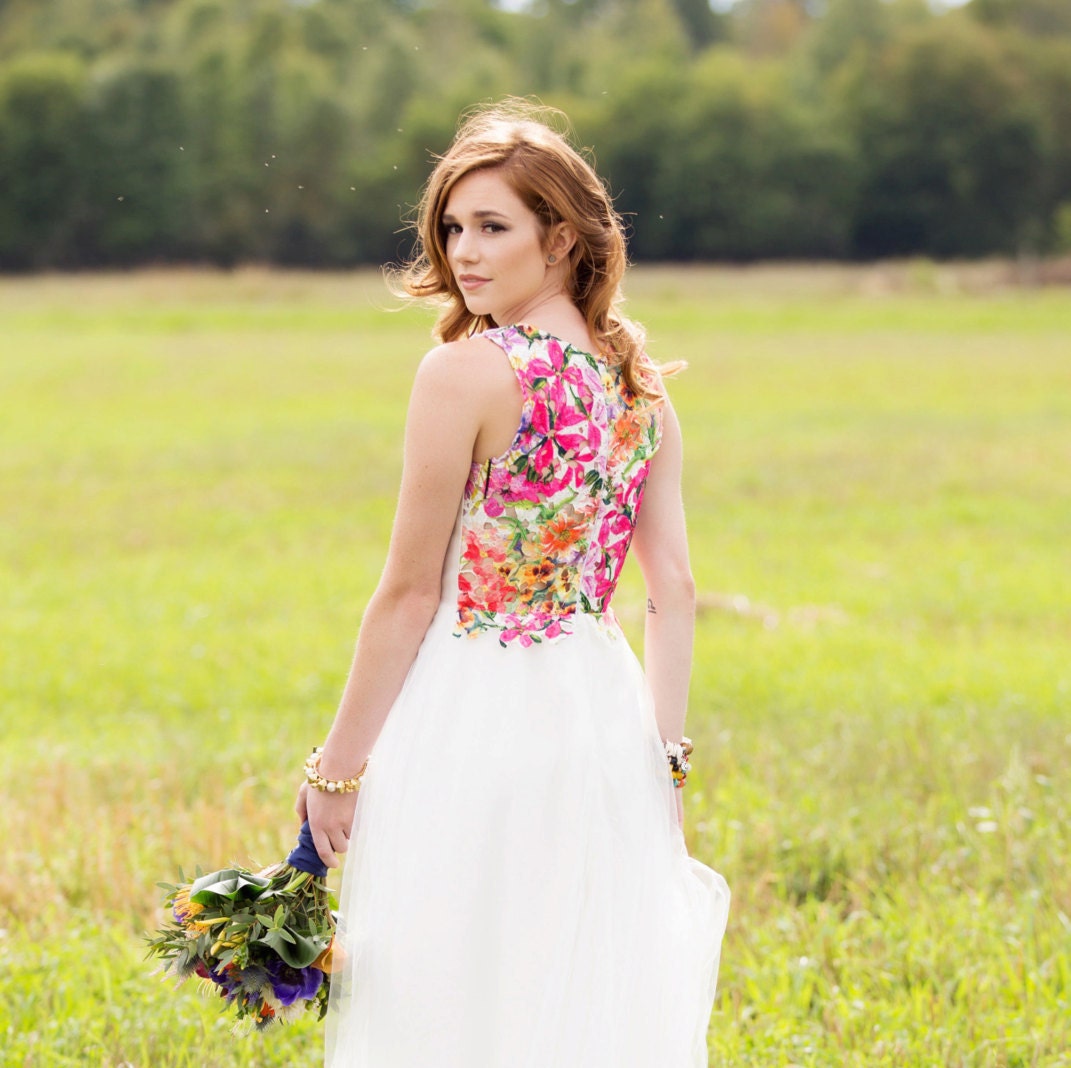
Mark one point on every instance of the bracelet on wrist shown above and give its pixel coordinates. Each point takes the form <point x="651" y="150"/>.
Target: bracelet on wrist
<point x="330" y="786"/>
<point x="677" y="754"/>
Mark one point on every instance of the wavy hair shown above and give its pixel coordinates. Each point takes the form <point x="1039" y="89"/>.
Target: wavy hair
<point x="558" y="185"/>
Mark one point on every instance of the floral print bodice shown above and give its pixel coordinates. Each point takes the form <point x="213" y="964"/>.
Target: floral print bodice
<point x="545" y="527"/>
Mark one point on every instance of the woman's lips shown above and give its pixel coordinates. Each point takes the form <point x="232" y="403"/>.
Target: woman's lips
<point x="471" y="281"/>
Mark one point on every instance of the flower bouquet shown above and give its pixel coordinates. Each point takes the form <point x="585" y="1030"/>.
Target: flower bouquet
<point x="264" y="940"/>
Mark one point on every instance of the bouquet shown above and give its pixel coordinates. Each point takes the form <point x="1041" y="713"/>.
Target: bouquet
<point x="264" y="940"/>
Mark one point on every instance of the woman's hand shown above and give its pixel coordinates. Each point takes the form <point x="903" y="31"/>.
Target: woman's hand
<point x="330" y="819"/>
<point x="301" y="805"/>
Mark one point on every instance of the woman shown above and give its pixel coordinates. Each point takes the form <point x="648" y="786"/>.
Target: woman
<point x="518" y="892"/>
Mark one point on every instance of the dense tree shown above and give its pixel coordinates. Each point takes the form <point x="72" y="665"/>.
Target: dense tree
<point x="1042" y="18"/>
<point x="42" y="149"/>
<point x="1049" y="68"/>
<point x="300" y="131"/>
<point x="951" y="154"/>
<point x="701" y="23"/>
<point x="770" y="27"/>
<point x="848" y="29"/>
<point x="139" y="180"/>
<point x="741" y="172"/>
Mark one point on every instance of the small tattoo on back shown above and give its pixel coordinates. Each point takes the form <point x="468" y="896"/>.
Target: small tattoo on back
<point x="650" y="607"/>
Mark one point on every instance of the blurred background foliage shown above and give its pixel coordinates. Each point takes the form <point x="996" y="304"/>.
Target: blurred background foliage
<point x="299" y="131"/>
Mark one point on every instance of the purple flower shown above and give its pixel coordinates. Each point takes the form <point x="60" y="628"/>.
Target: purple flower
<point x="289" y="984"/>
<point x="223" y="978"/>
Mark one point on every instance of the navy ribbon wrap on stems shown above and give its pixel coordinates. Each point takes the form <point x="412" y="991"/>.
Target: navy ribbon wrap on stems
<point x="304" y="856"/>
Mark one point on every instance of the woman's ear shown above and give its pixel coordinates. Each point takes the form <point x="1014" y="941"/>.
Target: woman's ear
<point x="560" y="241"/>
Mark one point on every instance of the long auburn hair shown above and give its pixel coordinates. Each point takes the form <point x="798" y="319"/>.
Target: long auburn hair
<point x="557" y="184"/>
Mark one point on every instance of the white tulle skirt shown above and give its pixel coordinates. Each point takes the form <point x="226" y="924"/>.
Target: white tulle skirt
<point x="517" y="892"/>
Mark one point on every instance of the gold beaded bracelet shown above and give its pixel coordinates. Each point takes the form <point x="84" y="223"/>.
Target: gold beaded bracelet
<point x="330" y="786"/>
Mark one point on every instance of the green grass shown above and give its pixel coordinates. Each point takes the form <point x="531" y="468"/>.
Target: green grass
<point x="197" y="474"/>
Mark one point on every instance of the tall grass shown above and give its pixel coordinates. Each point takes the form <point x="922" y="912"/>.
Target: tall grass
<point x="197" y="474"/>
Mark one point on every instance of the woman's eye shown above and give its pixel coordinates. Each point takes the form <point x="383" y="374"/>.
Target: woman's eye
<point x="453" y="229"/>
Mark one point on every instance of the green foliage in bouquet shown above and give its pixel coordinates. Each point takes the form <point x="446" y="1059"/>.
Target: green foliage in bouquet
<point x="265" y="941"/>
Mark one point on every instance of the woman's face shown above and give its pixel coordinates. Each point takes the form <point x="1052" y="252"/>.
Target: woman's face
<point x="495" y="248"/>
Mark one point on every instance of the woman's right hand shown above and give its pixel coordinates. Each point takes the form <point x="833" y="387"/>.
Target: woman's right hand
<point x="301" y="805"/>
<point x="330" y="819"/>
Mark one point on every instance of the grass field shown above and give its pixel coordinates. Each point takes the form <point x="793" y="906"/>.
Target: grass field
<point x="196" y="484"/>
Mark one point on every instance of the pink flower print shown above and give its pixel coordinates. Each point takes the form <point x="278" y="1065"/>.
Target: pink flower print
<point x="561" y="480"/>
<point x="633" y="492"/>
<point x="542" y="465"/>
<point x="613" y="527"/>
<point x="477" y="548"/>
<point x="547" y="528"/>
<point x="485" y="590"/>
<point x="471" y="548"/>
<point x="465" y="598"/>
<point x="567" y="438"/>
<point x="574" y="376"/>
<point x="524" y="487"/>
<point x="580" y="381"/>
<point x="499" y="595"/>
<point x="572" y="432"/>
<point x="599" y="587"/>
<point x="550" y="367"/>
<point x="541" y="418"/>
<point x="500" y="478"/>
<point x="615" y="554"/>
<point x="550" y="402"/>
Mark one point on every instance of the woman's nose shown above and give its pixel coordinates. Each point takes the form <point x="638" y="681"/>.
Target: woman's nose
<point x="464" y="248"/>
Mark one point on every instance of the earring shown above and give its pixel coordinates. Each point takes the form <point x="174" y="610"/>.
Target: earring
<point x="552" y="258"/>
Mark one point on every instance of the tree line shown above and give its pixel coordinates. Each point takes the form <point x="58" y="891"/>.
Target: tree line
<point x="299" y="131"/>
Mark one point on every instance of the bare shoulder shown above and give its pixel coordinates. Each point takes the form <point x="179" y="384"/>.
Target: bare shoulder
<point x="668" y="415"/>
<point x="470" y="354"/>
<point x="474" y="366"/>
<point x="670" y="427"/>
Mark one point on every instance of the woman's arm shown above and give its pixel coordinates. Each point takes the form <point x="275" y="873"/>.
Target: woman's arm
<point x="456" y="389"/>
<point x="660" y="543"/>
